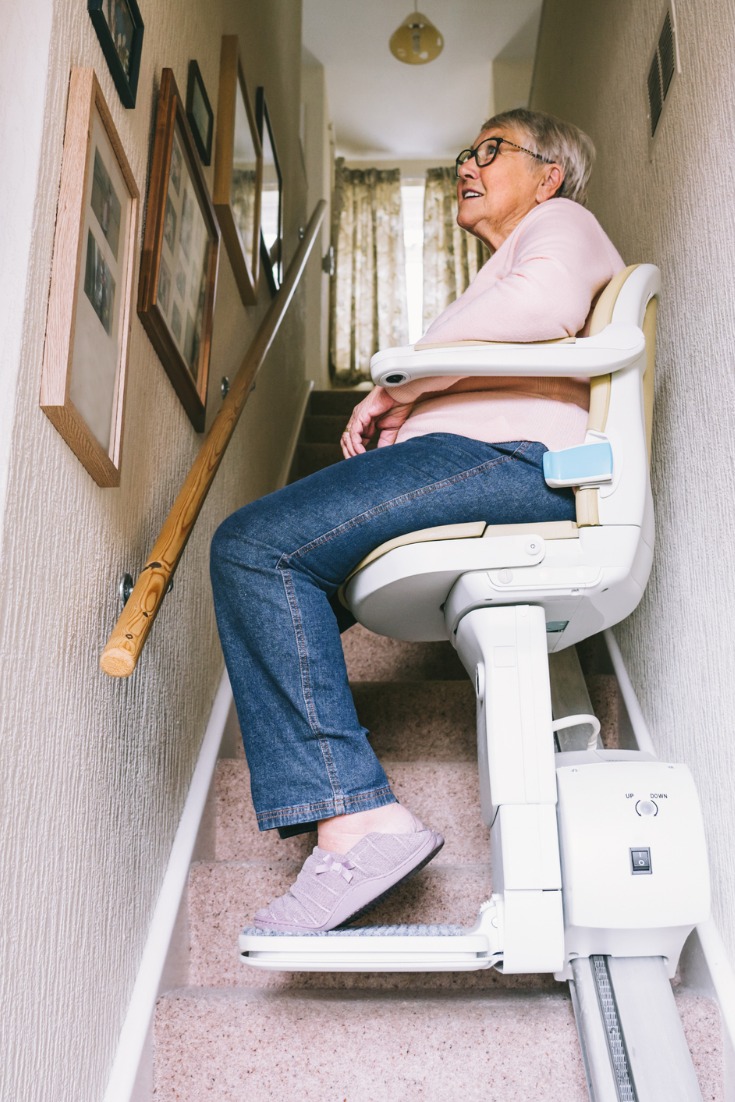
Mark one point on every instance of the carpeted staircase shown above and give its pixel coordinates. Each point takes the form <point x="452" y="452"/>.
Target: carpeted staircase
<point x="236" y="1034"/>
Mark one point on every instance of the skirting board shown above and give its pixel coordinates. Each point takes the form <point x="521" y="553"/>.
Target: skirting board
<point x="704" y="966"/>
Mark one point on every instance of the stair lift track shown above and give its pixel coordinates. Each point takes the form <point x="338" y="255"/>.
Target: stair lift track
<point x="631" y="1037"/>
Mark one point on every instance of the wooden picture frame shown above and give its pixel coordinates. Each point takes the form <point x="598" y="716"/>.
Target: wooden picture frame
<point x="271" y="198"/>
<point x="88" y="323"/>
<point x="199" y="113"/>
<point x="119" y="28"/>
<point x="238" y="171"/>
<point x="178" y="272"/>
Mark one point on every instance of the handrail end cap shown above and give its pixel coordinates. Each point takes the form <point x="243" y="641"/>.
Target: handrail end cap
<point x="117" y="662"/>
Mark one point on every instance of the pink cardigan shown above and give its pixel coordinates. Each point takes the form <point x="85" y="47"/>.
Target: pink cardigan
<point x="540" y="284"/>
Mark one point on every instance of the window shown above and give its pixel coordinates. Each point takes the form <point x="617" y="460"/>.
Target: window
<point x="412" y="199"/>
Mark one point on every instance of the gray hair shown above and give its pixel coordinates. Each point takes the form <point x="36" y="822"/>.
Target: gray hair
<point x="554" y="140"/>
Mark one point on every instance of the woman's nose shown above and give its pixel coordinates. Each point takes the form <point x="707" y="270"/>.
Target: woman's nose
<point x="468" y="170"/>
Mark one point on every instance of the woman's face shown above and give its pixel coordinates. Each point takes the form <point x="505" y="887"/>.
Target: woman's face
<point x="493" y="200"/>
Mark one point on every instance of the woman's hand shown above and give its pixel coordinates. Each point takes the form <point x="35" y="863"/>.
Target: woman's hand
<point x="378" y="412"/>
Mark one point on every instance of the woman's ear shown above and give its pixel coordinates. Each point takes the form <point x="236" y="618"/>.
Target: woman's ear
<point x="551" y="181"/>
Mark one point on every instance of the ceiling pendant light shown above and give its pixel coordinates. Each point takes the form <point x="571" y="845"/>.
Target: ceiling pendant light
<point x="417" y="41"/>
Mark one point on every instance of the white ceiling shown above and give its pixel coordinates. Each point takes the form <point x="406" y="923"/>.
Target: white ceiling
<point x="383" y="109"/>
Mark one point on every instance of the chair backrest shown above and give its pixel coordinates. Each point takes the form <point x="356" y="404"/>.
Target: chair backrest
<point x="587" y="500"/>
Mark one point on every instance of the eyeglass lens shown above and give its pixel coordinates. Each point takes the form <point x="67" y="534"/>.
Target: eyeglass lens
<point x="484" y="155"/>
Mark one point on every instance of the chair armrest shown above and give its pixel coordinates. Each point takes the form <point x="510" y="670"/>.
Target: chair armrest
<point x="615" y="347"/>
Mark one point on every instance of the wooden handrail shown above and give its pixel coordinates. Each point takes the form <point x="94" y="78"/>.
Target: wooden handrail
<point x="120" y="656"/>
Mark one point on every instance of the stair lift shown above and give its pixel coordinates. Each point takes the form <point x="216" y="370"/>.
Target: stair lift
<point x="596" y="854"/>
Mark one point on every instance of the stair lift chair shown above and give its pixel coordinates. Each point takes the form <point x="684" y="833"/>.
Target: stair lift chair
<point x="587" y="847"/>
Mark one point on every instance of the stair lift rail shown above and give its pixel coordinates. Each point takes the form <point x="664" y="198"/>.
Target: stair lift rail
<point x="631" y="1037"/>
<point x="125" y="644"/>
<point x="587" y="846"/>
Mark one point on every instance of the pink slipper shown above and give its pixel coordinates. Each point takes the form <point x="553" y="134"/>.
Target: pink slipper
<point x="333" y="888"/>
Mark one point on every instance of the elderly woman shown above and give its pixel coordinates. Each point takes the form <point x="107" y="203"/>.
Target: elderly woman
<point x="460" y="449"/>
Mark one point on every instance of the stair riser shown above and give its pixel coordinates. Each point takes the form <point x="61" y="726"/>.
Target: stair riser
<point x="413" y="721"/>
<point x="313" y="457"/>
<point x="334" y="403"/>
<point x="376" y="658"/>
<point x="434" y="721"/>
<point x="445" y="795"/>
<point x="323" y="428"/>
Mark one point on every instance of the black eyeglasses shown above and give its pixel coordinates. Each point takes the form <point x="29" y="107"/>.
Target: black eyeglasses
<point x="487" y="151"/>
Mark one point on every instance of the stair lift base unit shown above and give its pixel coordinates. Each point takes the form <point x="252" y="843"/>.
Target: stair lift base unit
<point x="634" y="858"/>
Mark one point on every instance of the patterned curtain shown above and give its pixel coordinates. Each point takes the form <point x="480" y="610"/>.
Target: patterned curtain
<point x="452" y="257"/>
<point x="368" y="308"/>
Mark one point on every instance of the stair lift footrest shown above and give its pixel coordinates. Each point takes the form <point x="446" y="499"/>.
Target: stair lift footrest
<point x="415" y="948"/>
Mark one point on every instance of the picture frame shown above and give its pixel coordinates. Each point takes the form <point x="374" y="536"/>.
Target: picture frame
<point x="199" y="113"/>
<point x="238" y="171"/>
<point x="90" y="298"/>
<point x="271" y="201"/>
<point x="178" y="272"/>
<point x="119" y="28"/>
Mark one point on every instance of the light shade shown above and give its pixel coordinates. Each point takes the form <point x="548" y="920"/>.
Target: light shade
<point x="416" y="41"/>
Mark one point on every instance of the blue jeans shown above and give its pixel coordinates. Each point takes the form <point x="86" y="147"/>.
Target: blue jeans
<point x="276" y="566"/>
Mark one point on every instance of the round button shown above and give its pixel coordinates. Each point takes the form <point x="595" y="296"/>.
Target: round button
<point x="646" y="807"/>
<point x="505" y="576"/>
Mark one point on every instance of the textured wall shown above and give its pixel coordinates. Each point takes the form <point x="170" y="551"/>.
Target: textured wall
<point x="93" y="772"/>
<point x="675" y="210"/>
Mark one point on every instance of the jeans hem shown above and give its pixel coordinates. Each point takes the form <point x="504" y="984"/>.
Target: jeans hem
<point x="325" y="809"/>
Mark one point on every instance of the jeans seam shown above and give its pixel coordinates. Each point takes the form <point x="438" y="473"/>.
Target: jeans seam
<point x="413" y="495"/>
<point x="332" y="776"/>
<point x="301" y="648"/>
<point x="307" y="694"/>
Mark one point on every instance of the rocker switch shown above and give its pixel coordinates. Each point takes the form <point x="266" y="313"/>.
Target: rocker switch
<point x="640" y="860"/>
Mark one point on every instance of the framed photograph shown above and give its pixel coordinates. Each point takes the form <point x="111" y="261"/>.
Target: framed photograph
<point x="88" y="322"/>
<point x="119" y="28"/>
<point x="271" y="200"/>
<point x="178" y="271"/>
<point x="199" y="113"/>
<point x="238" y="168"/>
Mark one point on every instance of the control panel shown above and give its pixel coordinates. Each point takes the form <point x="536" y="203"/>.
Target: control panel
<point x="632" y="845"/>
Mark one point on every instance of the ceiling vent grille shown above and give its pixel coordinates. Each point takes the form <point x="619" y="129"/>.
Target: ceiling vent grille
<point x="662" y="70"/>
